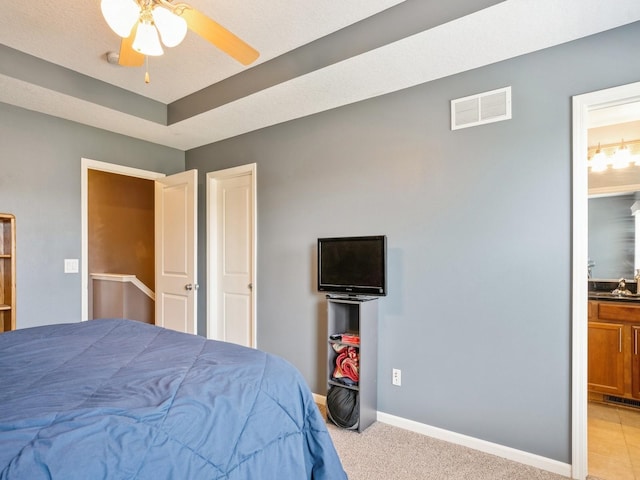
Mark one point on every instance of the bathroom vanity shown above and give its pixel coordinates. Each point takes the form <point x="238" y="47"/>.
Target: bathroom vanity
<point x="614" y="349"/>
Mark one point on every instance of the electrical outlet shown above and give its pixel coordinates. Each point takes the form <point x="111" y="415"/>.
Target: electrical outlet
<point x="396" y="378"/>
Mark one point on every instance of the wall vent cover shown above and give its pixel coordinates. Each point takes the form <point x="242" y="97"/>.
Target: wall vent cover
<point x="622" y="401"/>
<point x="487" y="107"/>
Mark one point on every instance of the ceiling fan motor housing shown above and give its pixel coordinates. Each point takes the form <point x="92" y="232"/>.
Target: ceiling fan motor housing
<point x="113" y="58"/>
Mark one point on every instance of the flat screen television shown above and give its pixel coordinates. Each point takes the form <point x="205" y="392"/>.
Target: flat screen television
<point x="353" y="266"/>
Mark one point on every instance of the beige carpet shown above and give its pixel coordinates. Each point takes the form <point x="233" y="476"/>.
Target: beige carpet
<point x="383" y="452"/>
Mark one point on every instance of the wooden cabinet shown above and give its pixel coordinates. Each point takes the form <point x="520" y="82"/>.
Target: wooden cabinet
<point x="7" y="272"/>
<point x="635" y="361"/>
<point x="606" y="361"/>
<point x="614" y="343"/>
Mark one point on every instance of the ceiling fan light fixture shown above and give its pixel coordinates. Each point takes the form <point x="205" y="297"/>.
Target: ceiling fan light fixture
<point x="172" y="27"/>
<point x="121" y="15"/>
<point x="147" y="41"/>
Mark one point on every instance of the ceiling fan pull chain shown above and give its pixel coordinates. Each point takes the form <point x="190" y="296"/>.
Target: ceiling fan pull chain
<point x="146" y="74"/>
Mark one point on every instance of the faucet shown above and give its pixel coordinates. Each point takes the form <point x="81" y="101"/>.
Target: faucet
<point x="622" y="289"/>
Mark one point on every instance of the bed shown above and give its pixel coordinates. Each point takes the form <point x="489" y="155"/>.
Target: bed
<point x="121" y="399"/>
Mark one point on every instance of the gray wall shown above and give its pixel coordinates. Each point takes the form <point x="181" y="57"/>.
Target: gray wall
<point x="40" y="184"/>
<point x="478" y="222"/>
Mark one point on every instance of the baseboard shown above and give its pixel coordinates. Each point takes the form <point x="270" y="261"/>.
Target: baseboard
<point x="509" y="453"/>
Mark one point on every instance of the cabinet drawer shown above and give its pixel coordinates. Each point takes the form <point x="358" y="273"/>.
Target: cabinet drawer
<point x="618" y="312"/>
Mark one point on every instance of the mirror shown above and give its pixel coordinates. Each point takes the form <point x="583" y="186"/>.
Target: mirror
<point x="612" y="194"/>
<point x="612" y="236"/>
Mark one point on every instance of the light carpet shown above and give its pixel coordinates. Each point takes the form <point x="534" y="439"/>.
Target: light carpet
<point x="384" y="452"/>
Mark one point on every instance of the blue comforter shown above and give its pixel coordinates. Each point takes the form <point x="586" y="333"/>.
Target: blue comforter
<point x="118" y="399"/>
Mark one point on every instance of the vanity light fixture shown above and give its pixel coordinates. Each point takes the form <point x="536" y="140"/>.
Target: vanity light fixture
<point x="622" y="157"/>
<point x="599" y="161"/>
<point x="618" y="156"/>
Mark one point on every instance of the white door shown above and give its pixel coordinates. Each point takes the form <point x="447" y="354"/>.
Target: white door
<point x="232" y="220"/>
<point x="175" y="240"/>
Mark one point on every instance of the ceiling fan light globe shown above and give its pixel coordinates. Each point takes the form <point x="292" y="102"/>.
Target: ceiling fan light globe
<point x="147" y="41"/>
<point x="172" y="27"/>
<point x="120" y="15"/>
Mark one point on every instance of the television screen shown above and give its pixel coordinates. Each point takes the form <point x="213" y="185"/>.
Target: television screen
<point x="353" y="265"/>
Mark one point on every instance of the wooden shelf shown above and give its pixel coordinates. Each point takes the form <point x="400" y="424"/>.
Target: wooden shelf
<point x="7" y="272"/>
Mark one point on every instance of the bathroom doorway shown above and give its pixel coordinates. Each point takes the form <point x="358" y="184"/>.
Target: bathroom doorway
<point x="586" y="108"/>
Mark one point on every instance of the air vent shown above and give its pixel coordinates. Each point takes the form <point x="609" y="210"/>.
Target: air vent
<point x="622" y="401"/>
<point x="487" y="107"/>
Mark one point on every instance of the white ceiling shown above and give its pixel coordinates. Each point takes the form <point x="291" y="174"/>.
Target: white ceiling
<point x="74" y="35"/>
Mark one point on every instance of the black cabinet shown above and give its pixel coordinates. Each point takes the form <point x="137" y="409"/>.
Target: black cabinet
<point x="352" y="331"/>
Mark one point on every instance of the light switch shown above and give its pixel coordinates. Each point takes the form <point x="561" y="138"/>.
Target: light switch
<point x="71" y="265"/>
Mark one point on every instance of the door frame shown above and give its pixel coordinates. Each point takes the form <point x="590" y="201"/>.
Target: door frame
<point x="87" y="164"/>
<point x="582" y="105"/>
<point x="213" y="266"/>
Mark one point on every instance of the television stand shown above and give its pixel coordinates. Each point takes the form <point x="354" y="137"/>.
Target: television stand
<point x="352" y="322"/>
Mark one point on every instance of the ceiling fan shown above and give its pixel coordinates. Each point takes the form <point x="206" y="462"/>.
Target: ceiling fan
<point x="143" y="23"/>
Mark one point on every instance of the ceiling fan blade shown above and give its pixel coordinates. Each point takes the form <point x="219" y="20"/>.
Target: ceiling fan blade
<point x="128" y="56"/>
<point x="220" y="36"/>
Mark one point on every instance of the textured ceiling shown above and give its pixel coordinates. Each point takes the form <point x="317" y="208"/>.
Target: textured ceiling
<point x="73" y="34"/>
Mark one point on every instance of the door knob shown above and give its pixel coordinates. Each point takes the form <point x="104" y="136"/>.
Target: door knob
<point x="190" y="286"/>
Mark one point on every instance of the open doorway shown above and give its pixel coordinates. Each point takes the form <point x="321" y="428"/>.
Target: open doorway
<point x="88" y="166"/>
<point x="613" y="412"/>
<point x="121" y="247"/>
<point x="584" y="108"/>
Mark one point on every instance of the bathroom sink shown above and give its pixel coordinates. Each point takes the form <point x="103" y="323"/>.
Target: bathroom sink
<point x="633" y="297"/>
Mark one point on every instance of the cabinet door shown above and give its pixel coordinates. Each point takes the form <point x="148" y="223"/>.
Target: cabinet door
<point x="606" y="359"/>
<point x="635" y="361"/>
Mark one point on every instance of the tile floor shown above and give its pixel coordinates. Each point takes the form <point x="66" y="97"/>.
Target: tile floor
<point x="613" y="441"/>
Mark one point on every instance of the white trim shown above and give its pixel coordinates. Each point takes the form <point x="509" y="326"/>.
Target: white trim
<point x="86" y="165"/>
<point x="498" y="450"/>
<point x="582" y="104"/>
<point x="124" y="278"/>
<point x="211" y="220"/>
<point x="211" y="247"/>
<point x="579" y="292"/>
